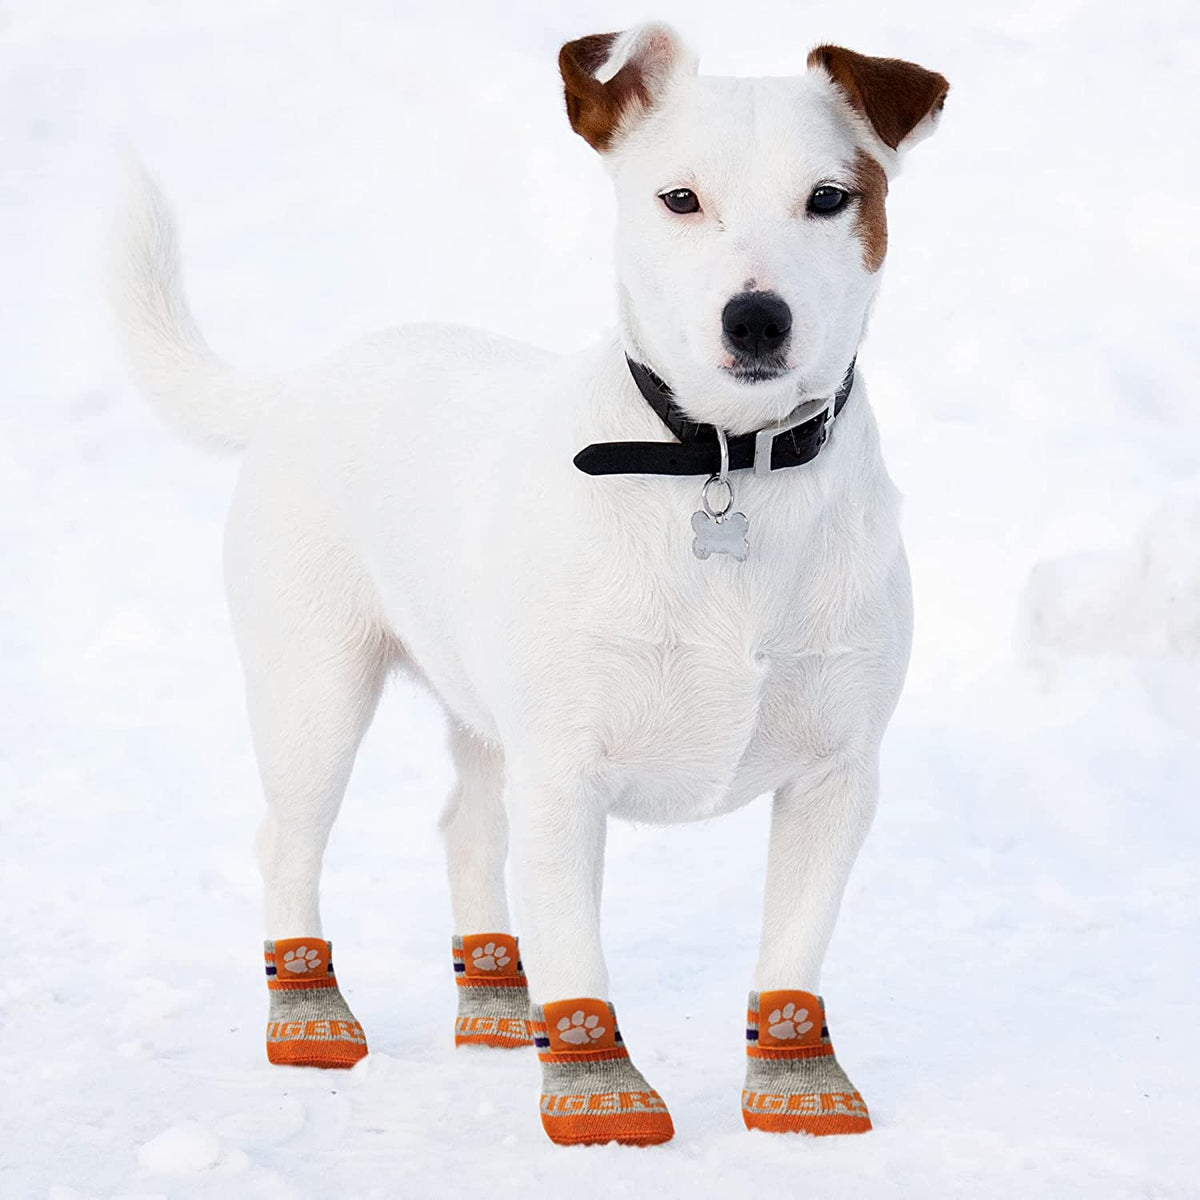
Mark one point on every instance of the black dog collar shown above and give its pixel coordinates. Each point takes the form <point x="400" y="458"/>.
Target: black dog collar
<point x="793" y="442"/>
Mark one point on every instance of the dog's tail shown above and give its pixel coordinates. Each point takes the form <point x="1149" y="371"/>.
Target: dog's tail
<point x="204" y="399"/>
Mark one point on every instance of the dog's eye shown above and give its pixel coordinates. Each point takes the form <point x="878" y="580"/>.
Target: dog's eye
<point x="826" y="200"/>
<point x="681" y="200"/>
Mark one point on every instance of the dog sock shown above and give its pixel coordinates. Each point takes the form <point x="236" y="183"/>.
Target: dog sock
<point x="591" y="1091"/>
<point x="493" y="1000"/>
<point x="309" y="1024"/>
<point x="793" y="1081"/>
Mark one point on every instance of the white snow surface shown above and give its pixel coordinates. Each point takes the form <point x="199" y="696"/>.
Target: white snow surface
<point x="1013" y="981"/>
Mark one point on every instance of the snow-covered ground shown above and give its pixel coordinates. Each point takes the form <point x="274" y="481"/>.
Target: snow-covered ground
<point x="1013" y="984"/>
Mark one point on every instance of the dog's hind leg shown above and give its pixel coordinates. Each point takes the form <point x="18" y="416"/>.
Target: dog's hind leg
<point x="315" y="655"/>
<point x="493" y="1001"/>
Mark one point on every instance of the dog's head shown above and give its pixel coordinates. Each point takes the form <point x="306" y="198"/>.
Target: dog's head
<point x="751" y="212"/>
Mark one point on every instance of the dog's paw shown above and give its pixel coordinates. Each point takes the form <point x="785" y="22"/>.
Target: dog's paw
<point x="301" y="960"/>
<point x="788" y="1022"/>
<point x="578" y="1030"/>
<point x="490" y="957"/>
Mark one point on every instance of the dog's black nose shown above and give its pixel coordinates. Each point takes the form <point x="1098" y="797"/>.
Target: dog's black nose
<point x="756" y="324"/>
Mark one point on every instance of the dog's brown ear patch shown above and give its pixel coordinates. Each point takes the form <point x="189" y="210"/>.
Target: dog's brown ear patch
<point x="596" y="107"/>
<point x="894" y="95"/>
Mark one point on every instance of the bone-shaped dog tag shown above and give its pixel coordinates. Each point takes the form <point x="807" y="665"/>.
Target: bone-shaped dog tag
<point x="726" y="534"/>
<point x="719" y="530"/>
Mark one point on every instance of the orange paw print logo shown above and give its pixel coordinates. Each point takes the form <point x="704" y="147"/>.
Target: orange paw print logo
<point x="578" y="1029"/>
<point x="301" y="960"/>
<point x="788" y="1022"/>
<point x="491" y="957"/>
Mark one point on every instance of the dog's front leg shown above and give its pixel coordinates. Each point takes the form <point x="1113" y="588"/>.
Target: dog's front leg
<point x="793" y="1080"/>
<point x="591" y="1091"/>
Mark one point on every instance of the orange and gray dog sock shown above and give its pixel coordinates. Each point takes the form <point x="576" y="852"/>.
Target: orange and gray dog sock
<point x="493" y="1000"/>
<point x="309" y="1024"/>
<point x="591" y="1091"/>
<point x="793" y="1081"/>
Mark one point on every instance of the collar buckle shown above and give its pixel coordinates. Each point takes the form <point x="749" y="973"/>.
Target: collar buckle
<point x="764" y="439"/>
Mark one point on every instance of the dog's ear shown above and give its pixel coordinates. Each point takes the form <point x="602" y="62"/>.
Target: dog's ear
<point x="901" y="101"/>
<point x="611" y="79"/>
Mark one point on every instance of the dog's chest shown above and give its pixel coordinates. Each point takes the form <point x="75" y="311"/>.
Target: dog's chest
<point x="693" y="727"/>
<point x="707" y="683"/>
<point x="678" y="743"/>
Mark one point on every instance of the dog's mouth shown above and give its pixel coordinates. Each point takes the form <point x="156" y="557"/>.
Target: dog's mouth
<point x="760" y="371"/>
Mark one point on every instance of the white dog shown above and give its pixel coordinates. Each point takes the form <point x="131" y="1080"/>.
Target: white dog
<point x="653" y="580"/>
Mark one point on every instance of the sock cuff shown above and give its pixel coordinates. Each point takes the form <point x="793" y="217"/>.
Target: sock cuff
<point x="787" y="1023"/>
<point x="487" y="960"/>
<point x="583" y="1030"/>
<point x="299" y="964"/>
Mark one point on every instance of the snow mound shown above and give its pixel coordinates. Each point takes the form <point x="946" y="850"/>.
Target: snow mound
<point x="184" y="1149"/>
<point x="1141" y="599"/>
